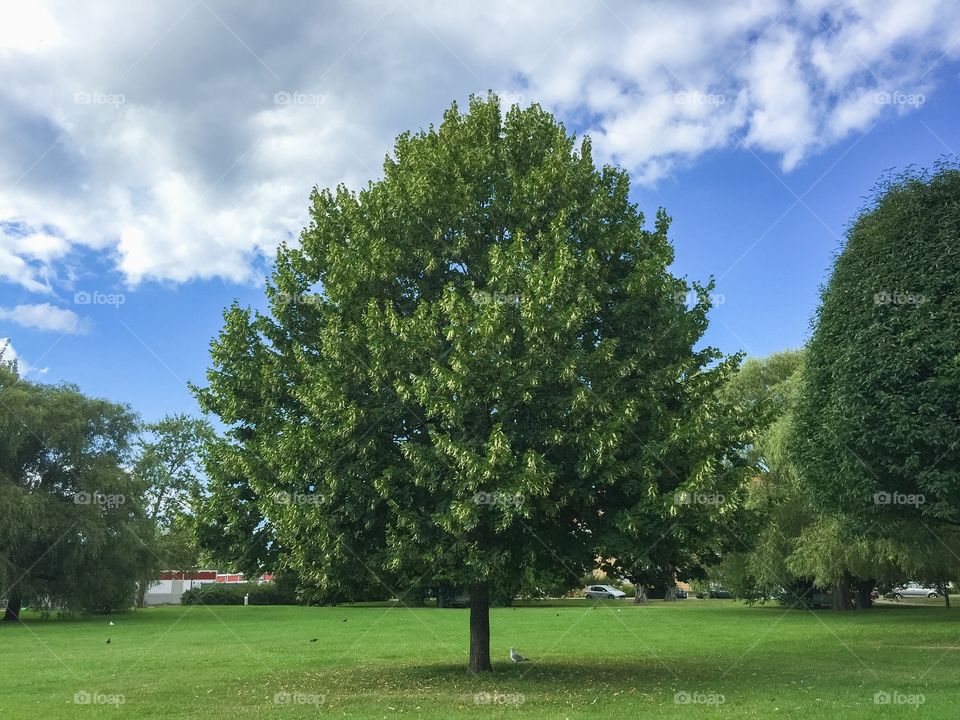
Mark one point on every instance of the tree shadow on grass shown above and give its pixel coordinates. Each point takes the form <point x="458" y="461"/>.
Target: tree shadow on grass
<point x="603" y="671"/>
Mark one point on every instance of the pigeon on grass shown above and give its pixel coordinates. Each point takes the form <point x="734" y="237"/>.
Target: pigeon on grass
<point x="517" y="657"/>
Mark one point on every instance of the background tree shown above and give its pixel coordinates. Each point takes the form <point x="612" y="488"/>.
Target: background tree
<point x="877" y="420"/>
<point x="460" y="365"/>
<point x="799" y="552"/>
<point x="775" y="506"/>
<point x="169" y="465"/>
<point x="74" y="529"/>
<point x="230" y="527"/>
<point x="680" y="518"/>
<point x="793" y="551"/>
<point x="170" y="462"/>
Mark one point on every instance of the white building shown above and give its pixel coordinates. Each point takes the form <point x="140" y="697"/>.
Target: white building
<point x="170" y="586"/>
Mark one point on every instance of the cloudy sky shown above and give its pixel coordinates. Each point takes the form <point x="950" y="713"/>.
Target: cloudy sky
<point x="155" y="153"/>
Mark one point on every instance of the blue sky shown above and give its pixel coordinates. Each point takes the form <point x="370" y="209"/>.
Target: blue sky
<point x="153" y="158"/>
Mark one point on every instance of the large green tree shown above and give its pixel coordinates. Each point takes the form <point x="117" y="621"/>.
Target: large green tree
<point x="461" y="365"/>
<point x="74" y="530"/>
<point x="877" y="421"/>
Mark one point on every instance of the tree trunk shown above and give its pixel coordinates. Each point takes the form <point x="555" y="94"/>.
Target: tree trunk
<point x="944" y="588"/>
<point x="863" y="589"/>
<point x="480" y="628"/>
<point x="841" y="593"/>
<point x="639" y="594"/>
<point x="444" y="595"/>
<point x="142" y="592"/>
<point x="14" y="603"/>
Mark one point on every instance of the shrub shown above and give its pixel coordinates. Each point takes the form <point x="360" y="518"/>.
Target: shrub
<point x="232" y="594"/>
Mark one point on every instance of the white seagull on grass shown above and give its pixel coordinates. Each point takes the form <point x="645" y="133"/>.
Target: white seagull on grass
<point x="517" y="657"/>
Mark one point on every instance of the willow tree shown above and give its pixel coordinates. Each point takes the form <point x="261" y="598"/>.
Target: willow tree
<point x="73" y="527"/>
<point x="458" y="362"/>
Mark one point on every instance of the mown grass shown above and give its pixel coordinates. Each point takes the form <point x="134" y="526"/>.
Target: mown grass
<point x="590" y="661"/>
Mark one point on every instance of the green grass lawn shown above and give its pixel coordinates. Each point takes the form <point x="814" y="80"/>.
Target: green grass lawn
<point x="590" y="661"/>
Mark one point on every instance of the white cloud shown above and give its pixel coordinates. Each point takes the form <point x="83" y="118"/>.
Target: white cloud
<point x="40" y="246"/>
<point x="151" y="135"/>
<point x="27" y="26"/>
<point x="15" y="269"/>
<point x="45" y="316"/>
<point x="783" y="115"/>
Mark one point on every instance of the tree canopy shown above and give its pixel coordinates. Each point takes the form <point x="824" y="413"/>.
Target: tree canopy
<point x="466" y="366"/>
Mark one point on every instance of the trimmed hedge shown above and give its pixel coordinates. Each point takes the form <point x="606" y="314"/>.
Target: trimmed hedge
<point x="233" y="593"/>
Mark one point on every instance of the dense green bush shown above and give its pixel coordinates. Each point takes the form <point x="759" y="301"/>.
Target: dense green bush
<point x="232" y="594"/>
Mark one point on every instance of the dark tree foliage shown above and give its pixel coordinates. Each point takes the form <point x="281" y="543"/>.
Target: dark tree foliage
<point x="878" y="422"/>
<point x="73" y="528"/>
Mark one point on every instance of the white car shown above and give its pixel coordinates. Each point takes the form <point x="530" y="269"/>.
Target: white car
<point x="603" y="592"/>
<point x="913" y="589"/>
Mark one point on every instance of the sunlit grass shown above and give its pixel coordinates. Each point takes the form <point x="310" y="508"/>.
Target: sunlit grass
<point x="590" y="660"/>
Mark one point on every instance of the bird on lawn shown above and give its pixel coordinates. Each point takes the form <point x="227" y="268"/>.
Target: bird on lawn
<point x="108" y="641"/>
<point x="111" y="622"/>
<point x="517" y="657"/>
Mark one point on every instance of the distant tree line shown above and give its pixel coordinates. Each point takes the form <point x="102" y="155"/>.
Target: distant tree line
<point x="860" y="456"/>
<point x="93" y="503"/>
